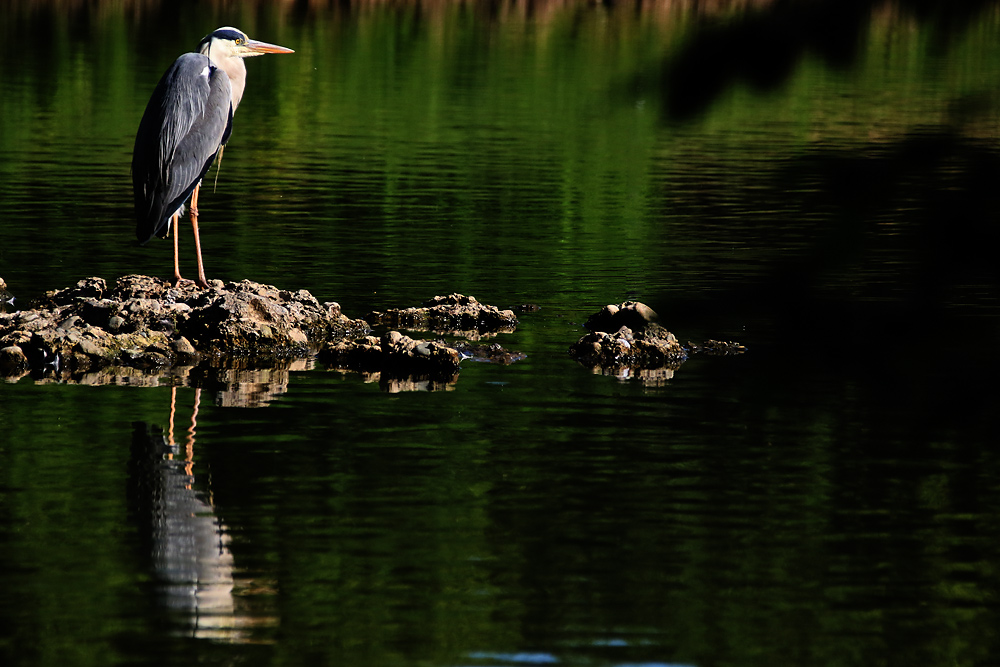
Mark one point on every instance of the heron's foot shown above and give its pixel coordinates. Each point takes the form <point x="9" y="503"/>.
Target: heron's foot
<point x="201" y="282"/>
<point x="185" y="283"/>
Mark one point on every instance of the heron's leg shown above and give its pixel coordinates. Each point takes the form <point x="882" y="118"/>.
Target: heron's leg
<point x="193" y="205"/>
<point x="177" y="266"/>
<point x="197" y="239"/>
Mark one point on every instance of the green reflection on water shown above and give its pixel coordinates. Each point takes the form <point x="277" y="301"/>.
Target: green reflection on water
<point x="760" y="514"/>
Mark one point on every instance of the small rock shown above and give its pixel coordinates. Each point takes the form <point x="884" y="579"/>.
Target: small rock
<point x="394" y="355"/>
<point x="632" y="314"/>
<point x="97" y="312"/>
<point x="452" y="313"/>
<point x="88" y="288"/>
<point x="90" y="348"/>
<point x="16" y="337"/>
<point x="183" y="346"/>
<point x="69" y="323"/>
<point x="616" y="348"/>
<point x="12" y="360"/>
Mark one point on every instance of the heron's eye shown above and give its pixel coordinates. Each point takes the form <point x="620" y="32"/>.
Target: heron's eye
<point x="239" y="40"/>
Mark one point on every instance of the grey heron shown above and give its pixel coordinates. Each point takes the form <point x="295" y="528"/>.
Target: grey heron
<point x="187" y="122"/>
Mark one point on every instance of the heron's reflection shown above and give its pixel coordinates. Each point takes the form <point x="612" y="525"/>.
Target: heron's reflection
<point x="188" y="543"/>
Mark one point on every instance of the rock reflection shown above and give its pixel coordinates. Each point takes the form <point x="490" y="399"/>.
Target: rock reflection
<point x="395" y="385"/>
<point x="187" y="543"/>
<point x="230" y="385"/>
<point x="650" y="377"/>
<point x="253" y="387"/>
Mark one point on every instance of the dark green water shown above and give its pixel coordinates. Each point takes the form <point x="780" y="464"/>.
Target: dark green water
<point x="818" y="182"/>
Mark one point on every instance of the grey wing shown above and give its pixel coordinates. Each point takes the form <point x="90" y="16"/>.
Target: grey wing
<point x="178" y="138"/>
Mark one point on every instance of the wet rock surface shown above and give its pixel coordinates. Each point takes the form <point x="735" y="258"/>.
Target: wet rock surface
<point x="144" y="322"/>
<point x="626" y="341"/>
<point x="142" y="329"/>
<point x="631" y="314"/>
<point x="491" y="353"/>
<point x="394" y="355"/>
<point x="716" y="348"/>
<point x="456" y="313"/>
<point x="651" y="347"/>
<point x="398" y="361"/>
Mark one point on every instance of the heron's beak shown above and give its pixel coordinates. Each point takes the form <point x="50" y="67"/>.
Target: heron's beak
<point x="255" y="48"/>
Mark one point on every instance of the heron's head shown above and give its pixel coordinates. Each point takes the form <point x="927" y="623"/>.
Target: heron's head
<point x="228" y="42"/>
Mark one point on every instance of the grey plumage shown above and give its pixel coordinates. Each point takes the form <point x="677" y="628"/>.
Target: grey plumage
<point x="186" y="120"/>
<point x="186" y="123"/>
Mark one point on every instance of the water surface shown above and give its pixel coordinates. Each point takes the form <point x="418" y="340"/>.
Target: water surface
<point x="830" y="497"/>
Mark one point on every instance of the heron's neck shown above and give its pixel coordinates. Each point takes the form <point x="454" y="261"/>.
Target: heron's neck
<point x="237" y="72"/>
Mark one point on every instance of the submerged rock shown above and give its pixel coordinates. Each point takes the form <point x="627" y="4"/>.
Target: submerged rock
<point x="492" y="353"/>
<point x="716" y="348"/>
<point x="145" y="322"/>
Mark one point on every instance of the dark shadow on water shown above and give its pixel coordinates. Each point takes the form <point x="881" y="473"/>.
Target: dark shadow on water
<point x="762" y="48"/>
<point x="898" y="285"/>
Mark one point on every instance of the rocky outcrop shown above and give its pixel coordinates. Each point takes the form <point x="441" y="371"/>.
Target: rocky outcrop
<point x="631" y="314"/>
<point x="143" y="328"/>
<point x="625" y="340"/>
<point x="143" y="322"/>
<point x="399" y="362"/>
<point x="394" y="354"/>
<point x="456" y="314"/>
<point x="650" y="347"/>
